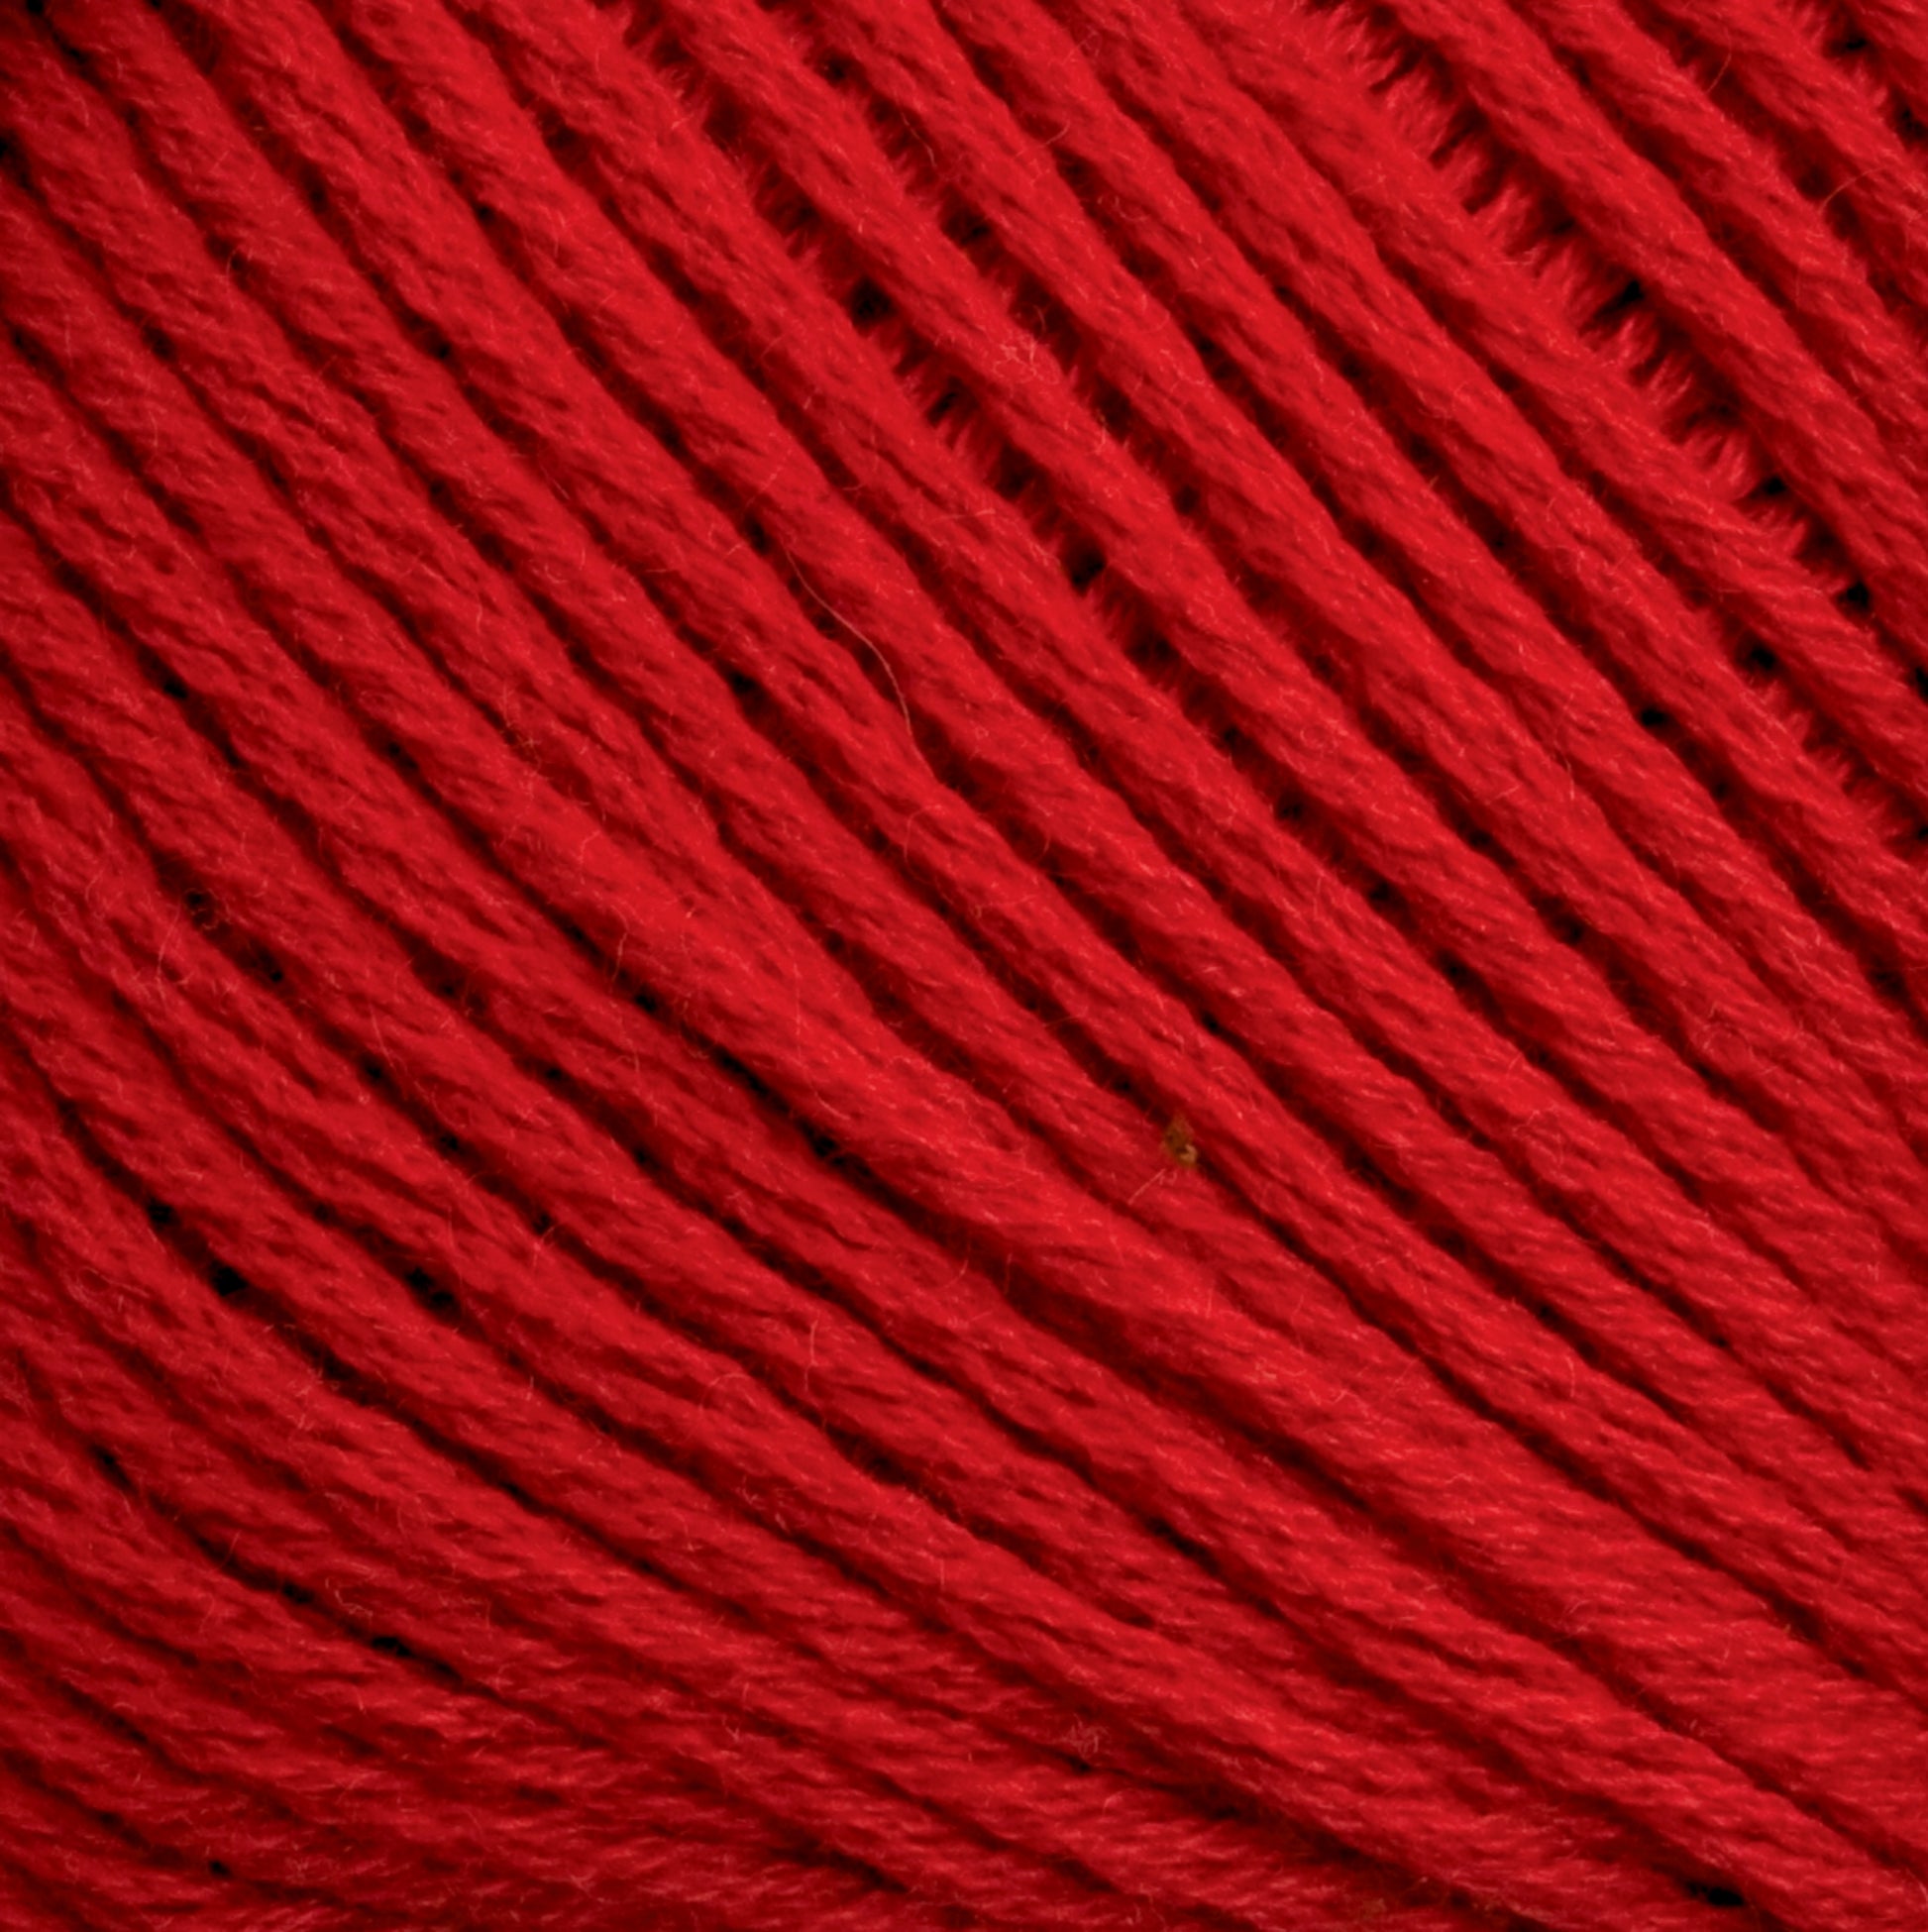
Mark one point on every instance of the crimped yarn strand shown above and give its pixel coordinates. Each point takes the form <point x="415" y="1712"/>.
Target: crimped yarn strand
<point x="249" y="718"/>
<point x="1648" y="800"/>
<point x="862" y="588"/>
<point x="1901" y="47"/>
<point x="412" y="1823"/>
<point x="392" y="1036"/>
<point x="748" y="55"/>
<point x="619" y="1392"/>
<point x="1832" y="444"/>
<point x="1596" y="418"/>
<point x="1761" y="66"/>
<point x="771" y="1482"/>
<point x="593" y="1692"/>
<point x="1706" y="1486"/>
<point x="962" y="967"/>
<point x="245" y="1640"/>
<point x="71" y="1866"/>
<point x="1387" y="1148"/>
<point x="847" y="916"/>
<point x="1396" y="1599"/>
<point x="1670" y="661"/>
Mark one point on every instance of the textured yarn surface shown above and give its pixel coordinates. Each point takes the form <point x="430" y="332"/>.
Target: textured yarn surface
<point x="964" y="963"/>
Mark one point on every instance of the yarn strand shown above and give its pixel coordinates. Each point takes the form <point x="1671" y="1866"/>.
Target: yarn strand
<point x="962" y="966"/>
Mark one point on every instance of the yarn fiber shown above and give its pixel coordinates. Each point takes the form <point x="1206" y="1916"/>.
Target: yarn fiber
<point x="964" y="964"/>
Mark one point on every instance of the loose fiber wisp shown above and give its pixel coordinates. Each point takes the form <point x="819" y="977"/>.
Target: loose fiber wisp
<point x="964" y="963"/>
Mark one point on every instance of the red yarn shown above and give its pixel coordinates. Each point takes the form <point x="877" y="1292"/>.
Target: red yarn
<point x="964" y="965"/>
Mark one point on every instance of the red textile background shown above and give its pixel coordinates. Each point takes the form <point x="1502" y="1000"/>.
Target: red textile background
<point x="963" y="963"/>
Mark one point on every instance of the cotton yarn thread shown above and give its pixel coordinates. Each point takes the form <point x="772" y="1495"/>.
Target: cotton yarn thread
<point x="964" y="964"/>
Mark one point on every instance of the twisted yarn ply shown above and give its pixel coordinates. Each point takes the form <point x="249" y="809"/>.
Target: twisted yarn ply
<point x="964" y="963"/>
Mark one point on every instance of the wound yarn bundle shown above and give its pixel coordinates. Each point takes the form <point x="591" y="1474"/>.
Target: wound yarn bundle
<point x="965" y="965"/>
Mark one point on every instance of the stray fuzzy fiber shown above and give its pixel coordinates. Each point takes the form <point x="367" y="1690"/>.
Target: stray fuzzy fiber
<point x="964" y="963"/>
